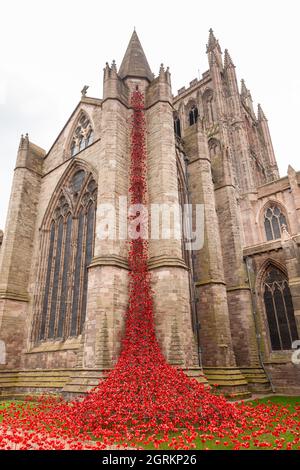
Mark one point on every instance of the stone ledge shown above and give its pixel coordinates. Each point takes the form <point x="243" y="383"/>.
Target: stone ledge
<point x="279" y="361"/>
<point x="109" y="260"/>
<point x="90" y="100"/>
<point x="230" y="381"/>
<point x="262" y="248"/>
<point x="166" y="261"/>
<point x="56" y="346"/>
<point x="33" y="384"/>
<point x="237" y="288"/>
<point x="207" y="282"/>
<point x="196" y="373"/>
<point x="295" y="281"/>
<point x="11" y="295"/>
<point x="273" y="187"/>
<point x="257" y="379"/>
<point x="280" y="357"/>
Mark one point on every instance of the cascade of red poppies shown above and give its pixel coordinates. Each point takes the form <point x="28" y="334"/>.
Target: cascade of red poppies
<point x="140" y="340"/>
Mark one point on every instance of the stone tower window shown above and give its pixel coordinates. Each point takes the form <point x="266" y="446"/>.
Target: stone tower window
<point x="274" y="220"/>
<point x="193" y="115"/>
<point x="177" y="126"/>
<point x="279" y="310"/>
<point x="68" y="249"/>
<point x="83" y="135"/>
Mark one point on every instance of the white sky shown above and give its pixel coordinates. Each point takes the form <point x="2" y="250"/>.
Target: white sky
<point x="51" y="48"/>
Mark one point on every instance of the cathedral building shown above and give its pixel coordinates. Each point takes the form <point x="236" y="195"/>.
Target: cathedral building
<point x="227" y="313"/>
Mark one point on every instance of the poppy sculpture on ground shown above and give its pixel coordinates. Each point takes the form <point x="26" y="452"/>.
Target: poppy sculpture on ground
<point x="143" y="399"/>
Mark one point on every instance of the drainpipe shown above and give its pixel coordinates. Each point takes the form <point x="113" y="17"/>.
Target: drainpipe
<point x="257" y="333"/>
<point x="194" y="299"/>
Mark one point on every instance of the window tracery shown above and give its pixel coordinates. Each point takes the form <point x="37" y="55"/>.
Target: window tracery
<point x="274" y="221"/>
<point x="83" y="135"/>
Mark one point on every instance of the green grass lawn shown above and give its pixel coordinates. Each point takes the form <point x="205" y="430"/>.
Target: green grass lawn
<point x="283" y="400"/>
<point x="289" y="402"/>
<point x="211" y="442"/>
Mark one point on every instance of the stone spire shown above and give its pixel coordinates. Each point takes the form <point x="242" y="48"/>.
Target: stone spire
<point x="260" y="114"/>
<point x="227" y="60"/>
<point x="134" y="63"/>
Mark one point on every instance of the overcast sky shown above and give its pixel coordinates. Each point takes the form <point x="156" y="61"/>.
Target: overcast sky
<point x="51" y="48"/>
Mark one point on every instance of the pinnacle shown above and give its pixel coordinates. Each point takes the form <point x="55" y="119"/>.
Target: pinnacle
<point x="134" y="63"/>
<point x="291" y="170"/>
<point x="227" y="59"/>
<point x="211" y="38"/>
<point x="24" y="140"/>
<point x="260" y="114"/>
<point x="244" y="89"/>
<point x="212" y="42"/>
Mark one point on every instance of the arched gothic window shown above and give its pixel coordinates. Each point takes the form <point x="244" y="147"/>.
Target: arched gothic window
<point x="177" y="126"/>
<point x="279" y="310"/>
<point x="83" y="135"/>
<point x="274" y="220"/>
<point x="68" y="249"/>
<point x="193" y="115"/>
